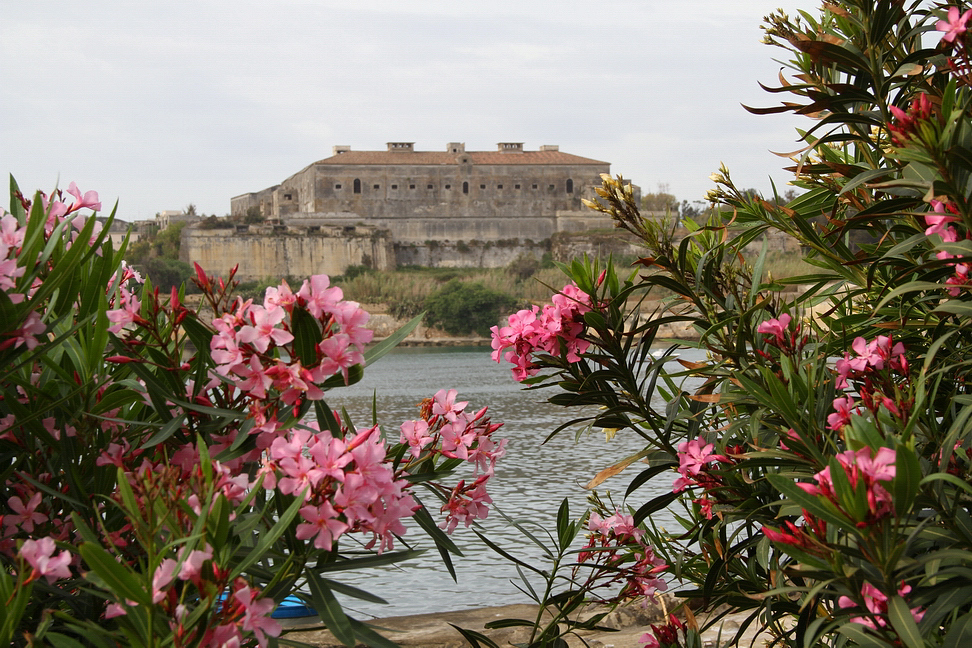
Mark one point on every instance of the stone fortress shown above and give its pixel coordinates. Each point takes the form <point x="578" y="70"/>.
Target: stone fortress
<point x="400" y="206"/>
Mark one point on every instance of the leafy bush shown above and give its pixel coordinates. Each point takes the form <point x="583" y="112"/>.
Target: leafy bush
<point x="821" y="466"/>
<point x="461" y="308"/>
<point x="167" y="273"/>
<point x="168" y="479"/>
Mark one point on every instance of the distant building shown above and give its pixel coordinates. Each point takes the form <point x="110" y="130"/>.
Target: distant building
<point x="453" y="194"/>
<point x="400" y="206"/>
<point x="119" y="230"/>
<point x="165" y="218"/>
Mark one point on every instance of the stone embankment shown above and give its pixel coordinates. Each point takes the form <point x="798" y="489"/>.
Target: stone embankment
<point x="627" y="624"/>
<point x="384" y="324"/>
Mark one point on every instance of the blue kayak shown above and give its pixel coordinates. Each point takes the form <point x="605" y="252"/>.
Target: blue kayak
<point x="292" y="608"/>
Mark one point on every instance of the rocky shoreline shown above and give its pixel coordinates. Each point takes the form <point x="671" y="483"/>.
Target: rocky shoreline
<point x="436" y="630"/>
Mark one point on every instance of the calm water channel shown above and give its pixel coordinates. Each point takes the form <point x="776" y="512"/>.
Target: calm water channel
<point x="529" y="484"/>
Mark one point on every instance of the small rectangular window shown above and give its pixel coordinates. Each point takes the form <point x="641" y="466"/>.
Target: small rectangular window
<point x="376" y="187"/>
<point x="394" y="186"/>
<point x="516" y="186"/>
<point x="534" y="186"/>
<point x="482" y="186"/>
<point x="411" y="186"/>
<point x="550" y="187"/>
<point x="448" y="186"/>
<point x="337" y="186"/>
<point x="499" y="186"/>
<point x="430" y="186"/>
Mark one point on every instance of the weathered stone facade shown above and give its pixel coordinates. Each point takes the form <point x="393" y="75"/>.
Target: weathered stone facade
<point x="440" y="208"/>
<point x="275" y="251"/>
<point x="453" y="195"/>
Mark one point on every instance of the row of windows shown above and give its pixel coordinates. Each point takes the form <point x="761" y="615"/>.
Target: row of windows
<point x="465" y="186"/>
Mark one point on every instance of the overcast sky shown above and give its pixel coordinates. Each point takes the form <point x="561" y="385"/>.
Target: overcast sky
<point x="158" y="105"/>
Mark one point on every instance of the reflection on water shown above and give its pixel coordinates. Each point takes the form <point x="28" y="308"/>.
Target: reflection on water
<point x="529" y="484"/>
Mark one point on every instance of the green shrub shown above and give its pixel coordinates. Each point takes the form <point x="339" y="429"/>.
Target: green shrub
<point x="460" y="308"/>
<point x="166" y="273"/>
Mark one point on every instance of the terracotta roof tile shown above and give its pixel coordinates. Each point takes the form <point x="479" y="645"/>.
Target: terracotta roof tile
<point x="446" y="158"/>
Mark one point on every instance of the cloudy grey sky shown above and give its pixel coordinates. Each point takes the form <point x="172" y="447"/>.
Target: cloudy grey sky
<point x="161" y="104"/>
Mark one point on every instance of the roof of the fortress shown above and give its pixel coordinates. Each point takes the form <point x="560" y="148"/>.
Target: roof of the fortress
<point x="448" y="158"/>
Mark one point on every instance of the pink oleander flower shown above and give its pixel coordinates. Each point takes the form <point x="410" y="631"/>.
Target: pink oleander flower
<point x="937" y="220"/>
<point x="89" y="199"/>
<point x="39" y="554"/>
<point x="543" y="330"/>
<point x="192" y="563"/>
<point x="263" y="330"/>
<point x="444" y="404"/>
<point x="865" y="468"/>
<point x="24" y="516"/>
<point x="256" y="614"/>
<point x="416" y="434"/>
<point x="692" y="458"/>
<point x="775" y="327"/>
<point x="876" y="602"/>
<point x="955" y="25"/>
<point x="318" y="297"/>
<point x="466" y="504"/>
<point x="844" y="408"/>
<point x="322" y="524"/>
<point x="27" y="334"/>
<point x="648" y="640"/>
<point x="161" y="578"/>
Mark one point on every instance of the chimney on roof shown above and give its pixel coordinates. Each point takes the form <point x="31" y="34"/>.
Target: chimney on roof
<point x="400" y="146"/>
<point x="340" y="148"/>
<point x="550" y="147"/>
<point x="510" y="147"/>
<point x="456" y="147"/>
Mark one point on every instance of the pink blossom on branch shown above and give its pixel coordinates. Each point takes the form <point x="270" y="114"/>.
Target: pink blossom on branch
<point x="536" y="330"/>
<point x="955" y="25"/>
<point x="39" y="554"/>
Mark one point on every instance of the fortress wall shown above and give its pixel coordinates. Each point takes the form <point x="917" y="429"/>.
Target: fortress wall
<point x="419" y="230"/>
<point x="277" y="255"/>
<point x="407" y="191"/>
<point x="452" y="254"/>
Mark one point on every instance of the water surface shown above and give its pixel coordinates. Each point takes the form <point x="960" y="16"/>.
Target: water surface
<point x="529" y="484"/>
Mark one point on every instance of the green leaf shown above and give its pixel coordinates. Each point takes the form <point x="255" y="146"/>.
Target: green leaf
<point x="307" y="335"/>
<point x="475" y="639"/>
<point x="807" y="501"/>
<point x="960" y="634"/>
<point x="443" y="542"/>
<point x="166" y="431"/>
<point x="354" y="592"/>
<point x="645" y="475"/>
<point x="268" y="537"/>
<point x="369" y="637"/>
<point x="373" y="560"/>
<point x="119" y="579"/>
<point x="951" y="479"/>
<point x="509" y="623"/>
<point x="907" y="479"/>
<point x="59" y="640"/>
<point x="329" y="610"/>
<point x="378" y="350"/>
<point x="903" y="623"/>
<point x="566" y="530"/>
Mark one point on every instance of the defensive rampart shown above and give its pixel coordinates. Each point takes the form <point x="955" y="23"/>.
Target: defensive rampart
<point x="280" y="251"/>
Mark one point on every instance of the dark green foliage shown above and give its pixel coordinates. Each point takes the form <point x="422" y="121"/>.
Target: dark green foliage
<point x="166" y="273"/>
<point x="462" y="308"/>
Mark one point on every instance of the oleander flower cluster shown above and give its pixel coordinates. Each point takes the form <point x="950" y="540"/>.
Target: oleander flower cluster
<point x="177" y="472"/>
<point x="447" y="430"/>
<point x="620" y="559"/>
<point x="557" y="330"/>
